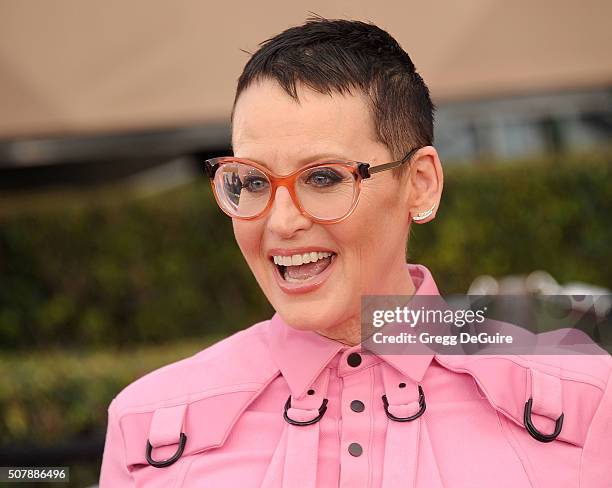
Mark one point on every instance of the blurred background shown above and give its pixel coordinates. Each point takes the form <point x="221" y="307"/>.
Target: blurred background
<point x="115" y="260"/>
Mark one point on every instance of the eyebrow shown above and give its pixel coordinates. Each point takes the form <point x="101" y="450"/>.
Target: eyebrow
<point x="308" y="159"/>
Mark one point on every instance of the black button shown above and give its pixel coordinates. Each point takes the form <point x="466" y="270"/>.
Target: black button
<point x="353" y="359"/>
<point x="357" y="406"/>
<point x="355" y="449"/>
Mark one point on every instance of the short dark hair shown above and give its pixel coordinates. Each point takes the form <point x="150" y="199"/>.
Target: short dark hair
<point x="335" y="55"/>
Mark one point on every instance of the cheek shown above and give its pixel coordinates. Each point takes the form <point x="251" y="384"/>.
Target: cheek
<point x="248" y="236"/>
<point x="377" y="219"/>
<point x="373" y="238"/>
<point x="358" y="239"/>
<point x="388" y="211"/>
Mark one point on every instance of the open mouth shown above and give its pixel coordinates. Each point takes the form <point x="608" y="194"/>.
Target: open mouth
<point x="299" y="268"/>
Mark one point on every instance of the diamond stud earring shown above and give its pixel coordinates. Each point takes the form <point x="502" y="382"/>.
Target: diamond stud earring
<point x="424" y="215"/>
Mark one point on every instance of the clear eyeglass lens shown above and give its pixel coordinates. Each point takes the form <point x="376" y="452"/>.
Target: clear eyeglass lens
<point x="244" y="191"/>
<point x="326" y="192"/>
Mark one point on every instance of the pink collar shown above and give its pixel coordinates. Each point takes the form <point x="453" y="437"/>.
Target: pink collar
<point x="302" y="355"/>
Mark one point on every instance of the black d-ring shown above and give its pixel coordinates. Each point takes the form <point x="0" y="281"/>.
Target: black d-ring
<point x="535" y="433"/>
<point x="322" y="409"/>
<point x="412" y="417"/>
<point x="169" y="461"/>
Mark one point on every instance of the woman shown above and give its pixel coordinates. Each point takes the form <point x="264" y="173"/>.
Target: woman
<point x="296" y="401"/>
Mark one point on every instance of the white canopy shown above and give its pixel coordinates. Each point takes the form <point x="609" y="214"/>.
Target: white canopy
<point x="79" y="66"/>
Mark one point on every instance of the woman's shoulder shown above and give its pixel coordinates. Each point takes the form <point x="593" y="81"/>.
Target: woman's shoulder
<point x="238" y="363"/>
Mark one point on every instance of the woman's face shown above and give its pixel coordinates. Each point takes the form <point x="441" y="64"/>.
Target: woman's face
<point x="368" y="248"/>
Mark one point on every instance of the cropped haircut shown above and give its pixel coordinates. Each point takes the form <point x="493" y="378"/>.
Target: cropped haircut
<point x="335" y="56"/>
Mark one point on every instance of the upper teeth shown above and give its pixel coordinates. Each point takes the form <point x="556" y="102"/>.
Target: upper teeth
<point x="297" y="259"/>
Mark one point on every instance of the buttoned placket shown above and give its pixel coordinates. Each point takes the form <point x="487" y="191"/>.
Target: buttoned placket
<point x="356" y="372"/>
<point x="405" y="407"/>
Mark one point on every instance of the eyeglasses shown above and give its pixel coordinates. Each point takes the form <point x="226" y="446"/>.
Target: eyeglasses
<point x="326" y="192"/>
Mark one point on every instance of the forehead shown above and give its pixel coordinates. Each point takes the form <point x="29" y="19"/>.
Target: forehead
<point x="270" y="126"/>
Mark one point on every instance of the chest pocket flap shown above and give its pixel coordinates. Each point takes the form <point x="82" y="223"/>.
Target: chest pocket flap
<point x="170" y="432"/>
<point x="530" y="392"/>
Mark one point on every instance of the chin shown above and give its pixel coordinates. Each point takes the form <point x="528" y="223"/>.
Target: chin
<point x="316" y="315"/>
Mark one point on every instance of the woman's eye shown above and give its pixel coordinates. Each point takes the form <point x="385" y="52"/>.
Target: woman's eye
<point x="254" y="184"/>
<point x="323" y="177"/>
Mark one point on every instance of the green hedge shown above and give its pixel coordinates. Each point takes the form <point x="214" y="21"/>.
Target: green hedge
<point x="137" y="271"/>
<point x="61" y="394"/>
<point x="167" y="267"/>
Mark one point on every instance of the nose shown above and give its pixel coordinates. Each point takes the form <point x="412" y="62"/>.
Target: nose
<point x="285" y="218"/>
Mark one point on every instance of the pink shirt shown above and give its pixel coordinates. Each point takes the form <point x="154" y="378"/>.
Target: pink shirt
<point x="468" y="427"/>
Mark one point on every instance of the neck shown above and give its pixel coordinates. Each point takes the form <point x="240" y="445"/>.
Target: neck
<point x="349" y="332"/>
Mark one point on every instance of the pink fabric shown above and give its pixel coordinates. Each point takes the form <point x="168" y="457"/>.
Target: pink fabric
<point x="546" y="394"/>
<point x="166" y="426"/>
<point x="302" y="445"/>
<point x="229" y="401"/>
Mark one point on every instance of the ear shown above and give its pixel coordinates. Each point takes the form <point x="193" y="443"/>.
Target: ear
<point x="425" y="182"/>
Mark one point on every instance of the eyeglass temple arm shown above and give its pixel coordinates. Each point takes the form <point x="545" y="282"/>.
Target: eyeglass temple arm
<point x="370" y="170"/>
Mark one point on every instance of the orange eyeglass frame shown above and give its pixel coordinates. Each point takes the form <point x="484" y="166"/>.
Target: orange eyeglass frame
<point x="359" y="170"/>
